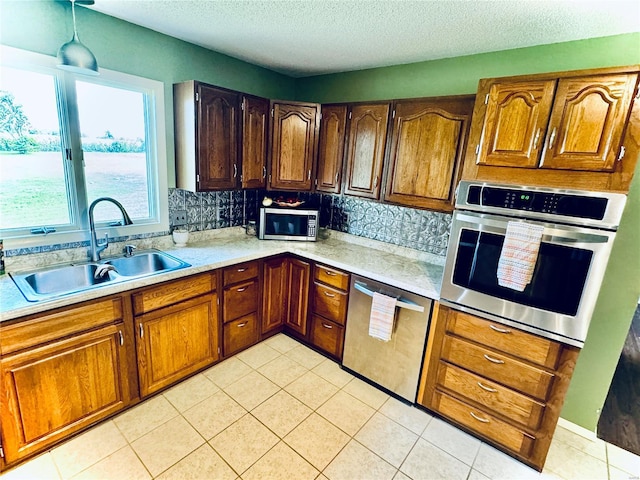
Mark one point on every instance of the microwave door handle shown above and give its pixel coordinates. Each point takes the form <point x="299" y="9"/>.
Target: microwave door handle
<point x="400" y="301"/>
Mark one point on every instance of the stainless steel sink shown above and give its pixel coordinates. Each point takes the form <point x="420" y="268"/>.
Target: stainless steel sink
<point x="145" y="263"/>
<point x="64" y="280"/>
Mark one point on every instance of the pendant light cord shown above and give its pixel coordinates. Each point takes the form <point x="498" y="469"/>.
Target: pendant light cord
<point x="73" y="15"/>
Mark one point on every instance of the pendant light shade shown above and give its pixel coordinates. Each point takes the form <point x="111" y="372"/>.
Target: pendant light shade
<point x="74" y="56"/>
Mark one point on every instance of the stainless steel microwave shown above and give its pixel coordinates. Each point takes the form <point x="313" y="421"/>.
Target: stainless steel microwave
<point x="283" y="223"/>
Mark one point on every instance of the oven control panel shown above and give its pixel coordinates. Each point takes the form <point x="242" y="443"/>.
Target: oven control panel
<point x="562" y="204"/>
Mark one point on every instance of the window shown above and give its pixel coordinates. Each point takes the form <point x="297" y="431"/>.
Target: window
<point x="66" y="140"/>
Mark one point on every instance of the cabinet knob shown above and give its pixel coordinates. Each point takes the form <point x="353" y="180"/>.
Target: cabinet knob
<point x="242" y="289"/>
<point x="331" y="274"/>
<point x="552" y="138"/>
<point x="240" y="325"/>
<point x="121" y="337"/>
<point x="242" y="270"/>
<point x="141" y="330"/>
<point x="330" y="295"/>
<point x="327" y="326"/>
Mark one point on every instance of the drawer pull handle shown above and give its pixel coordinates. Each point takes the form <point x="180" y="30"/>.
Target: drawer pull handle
<point x="242" y="289"/>
<point x="330" y="295"/>
<point x="327" y="326"/>
<point x="240" y="325"/>
<point x="242" y="270"/>
<point x="141" y="331"/>
<point x="493" y="360"/>
<point x="499" y="330"/>
<point x="331" y="274"/>
<point x="488" y="389"/>
<point x="480" y="419"/>
<point x="121" y="337"/>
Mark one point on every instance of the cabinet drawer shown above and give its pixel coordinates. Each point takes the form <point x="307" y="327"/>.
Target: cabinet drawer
<point x="327" y="335"/>
<point x="240" y="300"/>
<point x="498" y="398"/>
<point x="239" y="273"/>
<point x="240" y="334"/>
<point x="500" y="432"/>
<point x="521" y="344"/>
<point x="172" y="292"/>
<point x="497" y="367"/>
<point x="330" y="303"/>
<point x="59" y="324"/>
<point x="332" y="277"/>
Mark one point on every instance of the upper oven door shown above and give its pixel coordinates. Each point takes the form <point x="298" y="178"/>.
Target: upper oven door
<point x="565" y="283"/>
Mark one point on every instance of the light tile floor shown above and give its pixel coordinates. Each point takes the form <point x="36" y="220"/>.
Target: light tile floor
<point x="282" y="411"/>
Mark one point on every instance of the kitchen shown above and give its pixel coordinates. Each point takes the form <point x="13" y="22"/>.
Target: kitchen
<point x="584" y="398"/>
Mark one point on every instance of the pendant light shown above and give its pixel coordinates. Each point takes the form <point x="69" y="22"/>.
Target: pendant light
<point x="74" y="56"/>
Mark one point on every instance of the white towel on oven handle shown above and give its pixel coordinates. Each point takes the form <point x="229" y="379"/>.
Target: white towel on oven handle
<point x="519" y="255"/>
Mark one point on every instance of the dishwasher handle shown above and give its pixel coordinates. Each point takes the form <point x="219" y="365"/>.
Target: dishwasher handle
<point x="400" y="302"/>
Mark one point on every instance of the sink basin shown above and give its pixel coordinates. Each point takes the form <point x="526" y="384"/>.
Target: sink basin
<point x="74" y="277"/>
<point x="145" y="263"/>
<point x="63" y="280"/>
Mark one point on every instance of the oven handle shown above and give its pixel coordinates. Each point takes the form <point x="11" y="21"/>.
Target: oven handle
<point x="572" y="235"/>
<point x="400" y="301"/>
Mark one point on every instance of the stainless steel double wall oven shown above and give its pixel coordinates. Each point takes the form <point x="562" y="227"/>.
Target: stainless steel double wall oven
<point x="579" y="229"/>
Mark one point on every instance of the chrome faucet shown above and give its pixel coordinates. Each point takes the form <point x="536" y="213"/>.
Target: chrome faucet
<point x="97" y="247"/>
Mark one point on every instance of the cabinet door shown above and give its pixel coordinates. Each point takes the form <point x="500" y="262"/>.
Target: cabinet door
<point x="274" y="296"/>
<point x="331" y="148"/>
<point x="367" y="133"/>
<point x="176" y="341"/>
<point x="515" y="123"/>
<point x="293" y="146"/>
<point x="217" y="133"/>
<point x="427" y="145"/>
<point x="255" y="116"/>
<point x="299" y="275"/>
<point x="54" y="390"/>
<point x="587" y="122"/>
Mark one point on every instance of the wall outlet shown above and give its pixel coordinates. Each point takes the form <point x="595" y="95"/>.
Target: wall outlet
<point x="179" y="218"/>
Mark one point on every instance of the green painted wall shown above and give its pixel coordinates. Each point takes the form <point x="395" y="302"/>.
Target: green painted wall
<point x="453" y="76"/>
<point x="460" y="75"/>
<point x="43" y="25"/>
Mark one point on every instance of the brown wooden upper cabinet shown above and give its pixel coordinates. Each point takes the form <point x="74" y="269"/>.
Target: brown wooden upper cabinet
<point x="255" y="128"/>
<point x="427" y="147"/>
<point x="366" y="140"/>
<point x="568" y="123"/>
<point x="206" y="127"/>
<point x="294" y="141"/>
<point x="331" y="148"/>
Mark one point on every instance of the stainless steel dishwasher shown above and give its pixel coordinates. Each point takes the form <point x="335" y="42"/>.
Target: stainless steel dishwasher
<point x="394" y="365"/>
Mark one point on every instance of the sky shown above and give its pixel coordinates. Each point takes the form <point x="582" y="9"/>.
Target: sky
<point x="101" y="108"/>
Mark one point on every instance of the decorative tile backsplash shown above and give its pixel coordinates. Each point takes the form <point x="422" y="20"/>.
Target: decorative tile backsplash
<point x="418" y="229"/>
<point x="422" y="230"/>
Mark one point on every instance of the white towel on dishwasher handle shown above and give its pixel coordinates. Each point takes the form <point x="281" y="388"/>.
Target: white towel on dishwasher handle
<point x="519" y="255"/>
<point x="383" y="313"/>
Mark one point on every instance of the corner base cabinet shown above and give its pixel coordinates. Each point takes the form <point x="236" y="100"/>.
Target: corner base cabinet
<point x="504" y="385"/>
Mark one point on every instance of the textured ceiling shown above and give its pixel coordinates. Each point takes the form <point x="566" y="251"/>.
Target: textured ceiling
<point x="311" y="37"/>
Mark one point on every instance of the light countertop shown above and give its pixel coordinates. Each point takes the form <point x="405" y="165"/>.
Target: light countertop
<point x="411" y="270"/>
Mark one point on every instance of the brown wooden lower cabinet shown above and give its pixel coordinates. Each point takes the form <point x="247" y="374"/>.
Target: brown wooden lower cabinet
<point x="298" y="299"/>
<point x="240" y="334"/>
<point x="54" y="389"/>
<point x="327" y="335"/>
<point x="274" y="294"/>
<point x="481" y="376"/>
<point x="176" y="341"/>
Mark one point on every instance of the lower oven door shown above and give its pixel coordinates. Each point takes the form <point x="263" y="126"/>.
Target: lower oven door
<point x="560" y="299"/>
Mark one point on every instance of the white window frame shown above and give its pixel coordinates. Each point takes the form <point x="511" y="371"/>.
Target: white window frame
<point x="78" y="231"/>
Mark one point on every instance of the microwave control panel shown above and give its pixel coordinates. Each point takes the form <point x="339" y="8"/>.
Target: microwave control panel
<point x="312" y="225"/>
